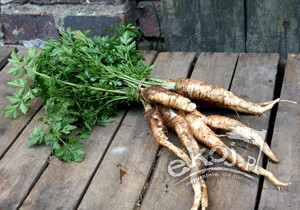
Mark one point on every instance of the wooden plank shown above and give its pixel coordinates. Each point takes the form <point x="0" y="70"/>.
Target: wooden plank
<point x="204" y="26"/>
<point x="162" y="192"/>
<point x="254" y="80"/>
<point x="273" y="26"/>
<point x="125" y="169"/>
<point x="5" y="52"/>
<point x="215" y="68"/>
<point x="20" y="167"/>
<point x="75" y="177"/>
<point x="285" y="143"/>
<point x="62" y="184"/>
<point x="149" y="56"/>
<point x="11" y="128"/>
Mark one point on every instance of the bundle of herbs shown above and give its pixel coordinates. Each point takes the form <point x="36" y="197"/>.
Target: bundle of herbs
<point x="82" y="81"/>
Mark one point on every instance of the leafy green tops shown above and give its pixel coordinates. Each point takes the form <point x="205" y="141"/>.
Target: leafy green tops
<point x="81" y="80"/>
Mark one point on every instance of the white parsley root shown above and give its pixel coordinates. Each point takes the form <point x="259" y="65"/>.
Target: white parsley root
<point x="180" y="126"/>
<point x="158" y="129"/>
<point x="156" y="94"/>
<point x="196" y="89"/>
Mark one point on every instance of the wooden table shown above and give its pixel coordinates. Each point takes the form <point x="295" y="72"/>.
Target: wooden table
<point x="124" y="168"/>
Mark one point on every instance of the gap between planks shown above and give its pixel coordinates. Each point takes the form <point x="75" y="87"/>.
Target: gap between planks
<point x="100" y="161"/>
<point x="221" y="112"/>
<point x="5" y="52"/>
<point x="160" y="148"/>
<point x="286" y="144"/>
<point x="269" y="136"/>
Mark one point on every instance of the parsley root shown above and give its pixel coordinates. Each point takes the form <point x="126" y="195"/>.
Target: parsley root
<point x="155" y="122"/>
<point x="180" y="126"/>
<point x="155" y="94"/>
<point x="220" y="97"/>
<point x="204" y="195"/>
<point x="158" y="129"/>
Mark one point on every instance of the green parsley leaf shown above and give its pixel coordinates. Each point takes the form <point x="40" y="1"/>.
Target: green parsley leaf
<point x="36" y="137"/>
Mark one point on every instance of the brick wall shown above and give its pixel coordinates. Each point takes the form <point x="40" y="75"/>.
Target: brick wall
<point x="28" y="22"/>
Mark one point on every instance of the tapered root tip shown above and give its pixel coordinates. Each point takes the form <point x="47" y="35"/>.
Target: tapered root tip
<point x="279" y="183"/>
<point x="284" y="184"/>
<point x="275" y="159"/>
<point x="265" y="106"/>
<point x="288" y="101"/>
<point x="273" y="179"/>
<point x="191" y="107"/>
<point x="271" y="154"/>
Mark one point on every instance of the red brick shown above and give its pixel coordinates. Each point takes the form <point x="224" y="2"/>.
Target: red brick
<point x="147" y="18"/>
<point x="108" y="2"/>
<point x="17" y="28"/>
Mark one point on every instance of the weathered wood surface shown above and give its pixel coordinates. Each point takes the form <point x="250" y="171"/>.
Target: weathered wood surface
<point x="10" y="129"/>
<point x="201" y="26"/>
<point x="63" y="184"/>
<point x="163" y="191"/>
<point x="273" y="26"/>
<point x="4" y="55"/>
<point x="21" y="167"/>
<point x="254" y="80"/>
<point x="125" y="168"/>
<point x="119" y="160"/>
<point x="149" y="56"/>
<point x="215" y="68"/>
<point x="286" y="144"/>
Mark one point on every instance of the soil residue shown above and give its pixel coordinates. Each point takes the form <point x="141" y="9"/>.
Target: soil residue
<point x="122" y="173"/>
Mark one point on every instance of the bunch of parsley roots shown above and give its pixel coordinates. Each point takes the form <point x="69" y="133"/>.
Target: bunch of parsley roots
<point x="82" y="81"/>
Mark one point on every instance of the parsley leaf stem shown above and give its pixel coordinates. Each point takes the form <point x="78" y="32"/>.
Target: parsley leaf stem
<point x="77" y="85"/>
